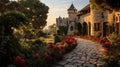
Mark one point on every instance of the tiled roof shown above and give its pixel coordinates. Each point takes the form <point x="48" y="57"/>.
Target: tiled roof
<point x="87" y="7"/>
<point x="84" y="10"/>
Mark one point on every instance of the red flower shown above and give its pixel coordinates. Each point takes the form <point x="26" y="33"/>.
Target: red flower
<point x="107" y="42"/>
<point x="19" y="62"/>
<point x="47" y="57"/>
<point x="36" y="55"/>
<point x="56" y="47"/>
<point x="50" y="46"/>
<point x="61" y="47"/>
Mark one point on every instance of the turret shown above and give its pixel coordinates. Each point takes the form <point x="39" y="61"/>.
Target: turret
<point x="72" y="13"/>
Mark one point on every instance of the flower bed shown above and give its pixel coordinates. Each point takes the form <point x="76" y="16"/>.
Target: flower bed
<point x="52" y="53"/>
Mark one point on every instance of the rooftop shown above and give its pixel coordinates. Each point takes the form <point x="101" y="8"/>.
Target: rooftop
<point x="72" y="7"/>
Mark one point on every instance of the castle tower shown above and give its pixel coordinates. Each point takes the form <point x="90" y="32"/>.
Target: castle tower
<point x="72" y="11"/>
<point x="72" y="15"/>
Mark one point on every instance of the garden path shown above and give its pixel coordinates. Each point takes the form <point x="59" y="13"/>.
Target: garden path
<point x="86" y="54"/>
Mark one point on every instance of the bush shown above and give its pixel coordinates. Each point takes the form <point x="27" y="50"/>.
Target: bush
<point x="57" y="38"/>
<point x="112" y="58"/>
<point x="9" y="48"/>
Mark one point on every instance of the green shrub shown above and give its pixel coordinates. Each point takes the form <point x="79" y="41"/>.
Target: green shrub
<point x="57" y="38"/>
<point x="112" y="58"/>
<point x="9" y="48"/>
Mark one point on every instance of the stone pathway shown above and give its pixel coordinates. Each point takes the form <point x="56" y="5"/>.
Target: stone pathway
<point x="86" y="54"/>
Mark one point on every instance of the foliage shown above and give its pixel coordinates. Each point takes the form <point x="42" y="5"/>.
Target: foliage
<point x="62" y="30"/>
<point x="19" y="62"/>
<point x="41" y="34"/>
<point x="106" y="4"/>
<point x="34" y="10"/>
<point x="3" y="6"/>
<point x="112" y="58"/>
<point x="57" y="38"/>
<point x="37" y="11"/>
<point x="9" y="45"/>
<point x="40" y="54"/>
<point x="10" y="20"/>
<point x="9" y="48"/>
<point x="52" y="29"/>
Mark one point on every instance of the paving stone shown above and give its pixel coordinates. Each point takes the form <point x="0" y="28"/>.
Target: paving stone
<point x="88" y="65"/>
<point x="69" y="60"/>
<point x="75" y="58"/>
<point x="77" y="64"/>
<point x="62" y="63"/>
<point x="70" y="66"/>
<point x="86" y="54"/>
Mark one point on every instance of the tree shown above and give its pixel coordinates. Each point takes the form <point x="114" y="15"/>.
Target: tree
<point x="52" y="29"/>
<point x="62" y="30"/>
<point x="106" y="4"/>
<point x="11" y="20"/>
<point x="3" y="5"/>
<point x="36" y="11"/>
<point x="9" y="45"/>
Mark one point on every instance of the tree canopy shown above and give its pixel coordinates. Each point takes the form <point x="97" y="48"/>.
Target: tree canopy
<point x="35" y="10"/>
<point x="106" y="4"/>
<point x="11" y="20"/>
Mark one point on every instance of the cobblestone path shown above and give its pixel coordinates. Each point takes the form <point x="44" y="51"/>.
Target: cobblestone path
<point x="86" y="54"/>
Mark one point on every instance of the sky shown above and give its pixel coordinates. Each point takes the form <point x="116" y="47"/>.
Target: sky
<point x="59" y="8"/>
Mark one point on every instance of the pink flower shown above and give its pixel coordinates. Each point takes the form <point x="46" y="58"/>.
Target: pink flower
<point x="19" y="62"/>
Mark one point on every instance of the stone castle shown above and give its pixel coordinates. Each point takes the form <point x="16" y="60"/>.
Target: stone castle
<point x="91" y="21"/>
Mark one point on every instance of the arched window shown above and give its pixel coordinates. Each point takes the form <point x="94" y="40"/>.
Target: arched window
<point x="71" y="28"/>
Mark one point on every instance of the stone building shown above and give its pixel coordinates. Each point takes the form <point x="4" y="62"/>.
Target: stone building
<point x="70" y="21"/>
<point x="93" y="22"/>
<point x="62" y="21"/>
<point x="98" y="23"/>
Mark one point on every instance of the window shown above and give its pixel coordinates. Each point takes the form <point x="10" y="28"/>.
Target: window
<point x="116" y="19"/>
<point x="71" y="28"/>
<point x="102" y="15"/>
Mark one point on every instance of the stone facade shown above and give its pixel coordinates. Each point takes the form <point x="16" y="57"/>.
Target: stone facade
<point x="93" y="22"/>
<point x="62" y="21"/>
<point x="70" y="21"/>
<point x="97" y="22"/>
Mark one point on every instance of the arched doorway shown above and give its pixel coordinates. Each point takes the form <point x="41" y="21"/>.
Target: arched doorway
<point x="79" y="28"/>
<point x="85" y="28"/>
<point x="105" y="29"/>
